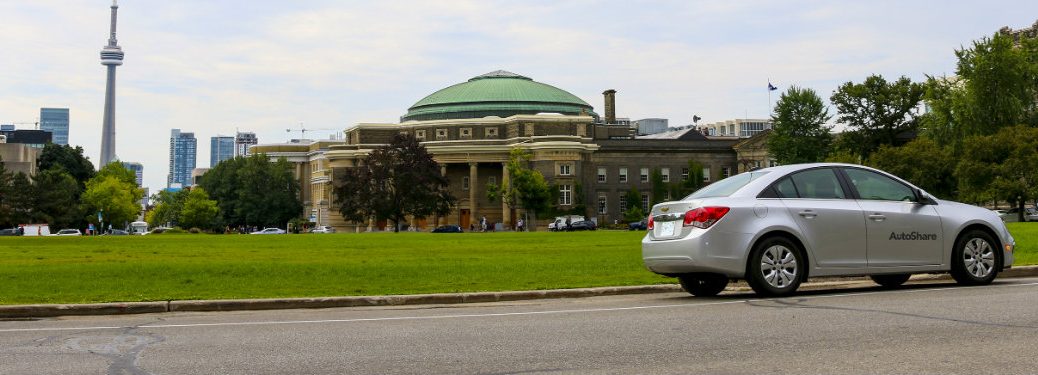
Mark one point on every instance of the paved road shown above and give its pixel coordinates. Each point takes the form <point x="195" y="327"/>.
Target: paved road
<point x="924" y="328"/>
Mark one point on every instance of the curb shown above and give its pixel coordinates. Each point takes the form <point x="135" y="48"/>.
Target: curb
<point x="41" y="311"/>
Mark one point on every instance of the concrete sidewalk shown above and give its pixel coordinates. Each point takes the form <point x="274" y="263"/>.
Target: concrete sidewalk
<point x="40" y="311"/>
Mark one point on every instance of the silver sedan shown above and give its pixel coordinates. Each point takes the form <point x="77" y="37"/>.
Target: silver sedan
<point x="775" y="227"/>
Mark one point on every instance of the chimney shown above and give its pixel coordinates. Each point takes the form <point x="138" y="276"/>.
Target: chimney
<point x="610" y="106"/>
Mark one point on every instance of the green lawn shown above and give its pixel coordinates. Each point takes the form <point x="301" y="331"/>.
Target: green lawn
<point x="167" y="267"/>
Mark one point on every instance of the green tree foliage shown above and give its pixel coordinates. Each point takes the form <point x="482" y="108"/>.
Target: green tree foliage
<point x="168" y="206"/>
<point x="799" y="133"/>
<point x="198" y="210"/>
<point x="529" y="190"/>
<point x="1000" y="166"/>
<point x="5" y="192"/>
<point x="55" y="202"/>
<point x="659" y="188"/>
<point x="634" y="206"/>
<point x="115" y="198"/>
<point x="994" y="87"/>
<point x="921" y="162"/>
<point x="395" y="181"/>
<point x="18" y="200"/>
<point x="69" y="159"/>
<point x="877" y="112"/>
<point x="254" y="191"/>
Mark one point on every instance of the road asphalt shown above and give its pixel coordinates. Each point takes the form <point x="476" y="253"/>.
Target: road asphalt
<point x="51" y="310"/>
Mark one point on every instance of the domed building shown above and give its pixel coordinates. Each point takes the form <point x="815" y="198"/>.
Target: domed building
<point x="471" y="127"/>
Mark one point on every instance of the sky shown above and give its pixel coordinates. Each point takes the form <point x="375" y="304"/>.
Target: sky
<point x="214" y="67"/>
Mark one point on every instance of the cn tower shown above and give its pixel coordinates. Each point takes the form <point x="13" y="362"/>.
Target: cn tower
<point x="111" y="56"/>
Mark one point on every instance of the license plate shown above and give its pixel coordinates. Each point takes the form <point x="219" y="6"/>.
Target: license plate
<point x="667" y="229"/>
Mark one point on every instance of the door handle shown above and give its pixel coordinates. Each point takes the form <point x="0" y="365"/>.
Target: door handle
<point x="877" y="217"/>
<point x="808" y="214"/>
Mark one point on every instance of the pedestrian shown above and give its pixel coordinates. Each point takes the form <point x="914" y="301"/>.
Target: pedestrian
<point x="567" y="222"/>
<point x="483" y="224"/>
<point x="519" y="225"/>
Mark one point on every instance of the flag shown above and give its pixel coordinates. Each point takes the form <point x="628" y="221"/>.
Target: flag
<point x="771" y="87"/>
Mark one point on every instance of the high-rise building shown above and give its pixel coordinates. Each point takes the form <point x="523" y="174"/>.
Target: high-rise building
<point x="242" y="141"/>
<point x="182" y="152"/>
<point x="55" y="121"/>
<point x="137" y="169"/>
<point x="220" y="148"/>
<point x="111" y="57"/>
<point x="33" y="138"/>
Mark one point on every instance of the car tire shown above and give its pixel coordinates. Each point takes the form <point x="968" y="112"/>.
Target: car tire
<point x="975" y="259"/>
<point x="776" y="267"/>
<point x="891" y="281"/>
<point x="703" y="284"/>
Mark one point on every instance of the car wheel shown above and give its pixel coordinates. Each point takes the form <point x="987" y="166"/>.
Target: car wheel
<point x="776" y="267"/>
<point x="890" y="281"/>
<point x="703" y="284"/>
<point x="974" y="258"/>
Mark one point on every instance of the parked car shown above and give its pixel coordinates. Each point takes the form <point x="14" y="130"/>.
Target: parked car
<point x="559" y="224"/>
<point x="270" y="231"/>
<point x="1012" y="215"/>
<point x="323" y="229"/>
<point x="448" y="229"/>
<point x="10" y="232"/>
<point x="772" y="227"/>
<point x="639" y="225"/>
<point x="582" y="225"/>
<point x="68" y="232"/>
<point x="117" y="232"/>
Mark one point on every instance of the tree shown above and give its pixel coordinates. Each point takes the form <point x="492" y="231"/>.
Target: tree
<point x="198" y="210"/>
<point x="799" y="133"/>
<point x="254" y="191"/>
<point x="529" y="190"/>
<point x="5" y="192"/>
<point x="877" y="112"/>
<point x="994" y="87"/>
<point x="921" y="162"/>
<point x="168" y="207"/>
<point x="69" y="159"/>
<point x="113" y="193"/>
<point x="20" y="199"/>
<point x="395" y="181"/>
<point x="659" y="188"/>
<point x="634" y="206"/>
<point x="1000" y="166"/>
<point x="55" y="199"/>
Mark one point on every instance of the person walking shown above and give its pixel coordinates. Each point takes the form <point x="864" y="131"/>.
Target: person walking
<point x="519" y="225"/>
<point x="483" y="224"/>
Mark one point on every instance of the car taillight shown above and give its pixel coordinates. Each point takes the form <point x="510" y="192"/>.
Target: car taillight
<point x="704" y="217"/>
<point x="650" y="222"/>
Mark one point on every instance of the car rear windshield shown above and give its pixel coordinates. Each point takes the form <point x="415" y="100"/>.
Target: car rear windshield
<point x="726" y="186"/>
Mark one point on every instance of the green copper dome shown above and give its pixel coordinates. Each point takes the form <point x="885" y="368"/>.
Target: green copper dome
<point x="497" y="93"/>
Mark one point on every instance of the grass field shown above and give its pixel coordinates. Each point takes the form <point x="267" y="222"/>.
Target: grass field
<point x="168" y="267"/>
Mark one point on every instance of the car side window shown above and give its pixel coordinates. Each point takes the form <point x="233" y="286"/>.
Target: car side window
<point x="818" y="184"/>
<point x="874" y="186"/>
<point x="785" y="189"/>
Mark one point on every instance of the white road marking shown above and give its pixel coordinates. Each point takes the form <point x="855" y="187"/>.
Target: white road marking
<point x="458" y="316"/>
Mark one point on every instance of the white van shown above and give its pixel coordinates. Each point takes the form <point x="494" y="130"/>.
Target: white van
<point x="35" y="229"/>
<point x="139" y="227"/>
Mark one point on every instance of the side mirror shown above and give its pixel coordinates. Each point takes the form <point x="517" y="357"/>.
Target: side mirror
<point x="922" y="198"/>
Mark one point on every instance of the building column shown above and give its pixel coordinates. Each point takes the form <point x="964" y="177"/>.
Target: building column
<point x="473" y="207"/>
<point x="437" y="218"/>
<point x="506" y="214"/>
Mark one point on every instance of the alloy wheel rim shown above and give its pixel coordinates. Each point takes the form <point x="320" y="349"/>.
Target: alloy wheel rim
<point x="978" y="257"/>
<point x="778" y="265"/>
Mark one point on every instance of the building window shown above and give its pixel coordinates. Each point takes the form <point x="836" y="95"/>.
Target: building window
<point x="684" y="174"/>
<point x="464" y="183"/>
<point x="565" y="192"/>
<point x="706" y="174"/>
<point x="441" y="134"/>
<point x="644" y="175"/>
<point x="601" y="174"/>
<point x="665" y="172"/>
<point x="645" y="203"/>
<point x="466" y="133"/>
<point x="623" y="204"/>
<point x="725" y="172"/>
<point x="492" y="181"/>
<point x="601" y="205"/>
<point x="565" y="170"/>
<point x="623" y="175"/>
<point x="419" y="134"/>
<point x="490" y="132"/>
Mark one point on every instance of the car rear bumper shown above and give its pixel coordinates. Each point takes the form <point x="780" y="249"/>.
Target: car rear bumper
<point x="699" y="251"/>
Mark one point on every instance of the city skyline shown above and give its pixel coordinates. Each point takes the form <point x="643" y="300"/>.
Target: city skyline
<point x="213" y="67"/>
